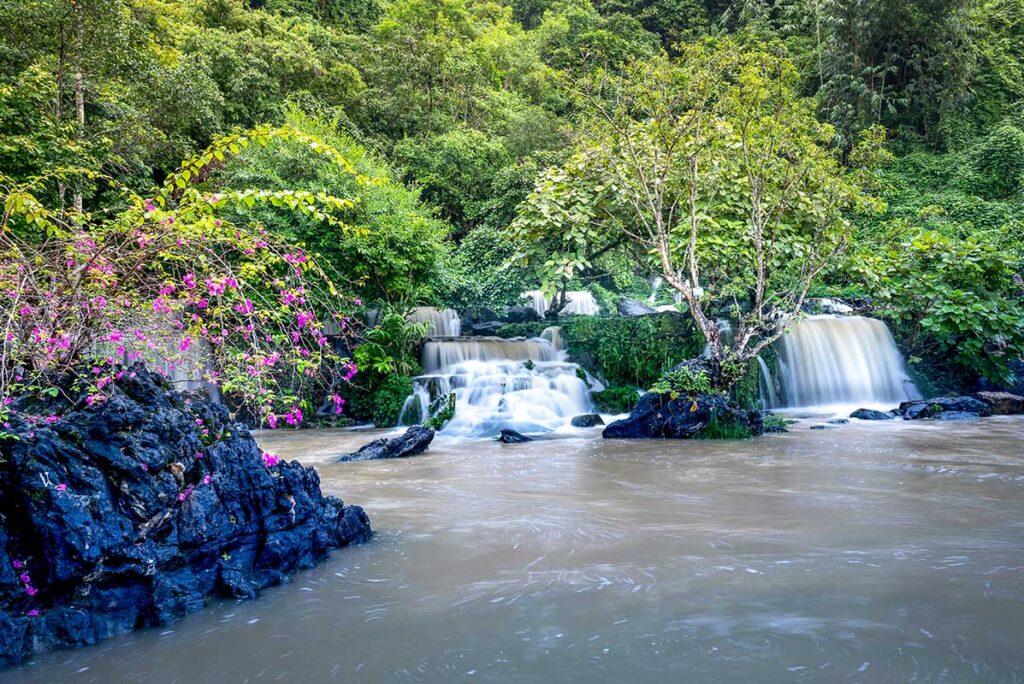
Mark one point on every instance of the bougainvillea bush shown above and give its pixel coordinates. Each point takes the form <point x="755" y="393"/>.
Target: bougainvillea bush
<point x="167" y="279"/>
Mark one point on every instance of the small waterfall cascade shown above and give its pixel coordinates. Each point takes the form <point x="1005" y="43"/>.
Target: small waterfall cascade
<point x="580" y="303"/>
<point x="443" y="322"/>
<point x="766" y="386"/>
<point x="656" y="282"/>
<point x="835" y="360"/>
<point x="553" y="334"/>
<point x="526" y="385"/>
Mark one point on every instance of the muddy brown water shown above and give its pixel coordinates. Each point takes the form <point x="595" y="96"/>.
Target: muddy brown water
<point x="873" y="552"/>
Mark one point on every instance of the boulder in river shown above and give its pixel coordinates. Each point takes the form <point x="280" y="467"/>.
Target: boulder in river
<point x="522" y="314"/>
<point x="487" y="328"/>
<point x="512" y="437"/>
<point x="659" y="415"/>
<point x="1002" y="403"/>
<point x="871" y="414"/>
<point x="926" y="408"/>
<point x="955" y="416"/>
<point x="137" y="510"/>
<point x="587" y="420"/>
<point x="414" y="442"/>
<point x="633" y="308"/>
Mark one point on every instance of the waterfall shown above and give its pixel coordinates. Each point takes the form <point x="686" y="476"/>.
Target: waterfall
<point x="553" y="334"/>
<point x="842" y="360"/>
<point x="416" y="408"/>
<point x="443" y="322"/>
<point x="580" y="302"/>
<point x="521" y="384"/>
<point x="656" y="282"/>
<point x="769" y="397"/>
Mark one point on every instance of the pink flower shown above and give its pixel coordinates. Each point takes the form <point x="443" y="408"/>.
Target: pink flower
<point x="24" y="577"/>
<point x="145" y="468"/>
<point x="18" y="565"/>
<point x="25" y="311"/>
<point x="270" y="459"/>
<point x="207" y="479"/>
<point x="185" y="344"/>
<point x="31" y="591"/>
<point x="189" y="280"/>
<point x="33" y="613"/>
<point x="61" y="487"/>
<point x="199" y="454"/>
<point x="52" y="419"/>
<point x="271" y="420"/>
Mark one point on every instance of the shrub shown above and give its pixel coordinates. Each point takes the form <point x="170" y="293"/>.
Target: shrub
<point x="618" y="399"/>
<point x="387" y="400"/>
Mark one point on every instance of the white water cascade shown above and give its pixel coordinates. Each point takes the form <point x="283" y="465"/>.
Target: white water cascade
<point x="525" y="385"/>
<point x="580" y="303"/>
<point x="443" y="322"/>
<point x="842" y="360"/>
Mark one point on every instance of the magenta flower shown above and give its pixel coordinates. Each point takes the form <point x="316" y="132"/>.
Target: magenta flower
<point x="270" y="459"/>
<point x="31" y="591"/>
<point x="207" y="479"/>
<point x="33" y="613"/>
<point x="18" y="565"/>
<point x="25" y="577"/>
<point x="61" y="487"/>
<point x="199" y="454"/>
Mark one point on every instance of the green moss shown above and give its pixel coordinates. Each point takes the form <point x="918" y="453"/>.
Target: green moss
<point x="438" y="420"/>
<point x="531" y="329"/>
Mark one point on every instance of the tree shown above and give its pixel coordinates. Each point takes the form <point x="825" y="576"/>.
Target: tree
<point x="715" y="165"/>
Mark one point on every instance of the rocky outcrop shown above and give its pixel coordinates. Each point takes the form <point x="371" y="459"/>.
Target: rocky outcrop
<point x="659" y="415"/>
<point x="914" y="410"/>
<point x="633" y="307"/>
<point x="955" y="416"/>
<point x="1002" y="403"/>
<point x="513" y="437"/>
<point x="414" y="442"/>
<point x="871" y="414"/>
<point x="522" y="314"/>
<point x="139" y="509"/>
<point x="587" y="420"/>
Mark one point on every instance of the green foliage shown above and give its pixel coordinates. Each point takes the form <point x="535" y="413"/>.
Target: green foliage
<point x="683" y="381"/>
<point x="385" y="403"/>
<point x="724" y="427"/>
<point x="616" y="399"/>
<point x="630" y="351"/>
<point x="390" y="346"/>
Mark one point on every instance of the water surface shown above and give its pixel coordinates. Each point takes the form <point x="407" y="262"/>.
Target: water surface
<point x="872" y="552"/>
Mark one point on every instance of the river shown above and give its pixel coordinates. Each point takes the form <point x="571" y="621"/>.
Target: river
<point x="874" y="552"/>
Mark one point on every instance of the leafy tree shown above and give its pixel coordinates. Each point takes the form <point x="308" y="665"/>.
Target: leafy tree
<point x="714" y="164"/>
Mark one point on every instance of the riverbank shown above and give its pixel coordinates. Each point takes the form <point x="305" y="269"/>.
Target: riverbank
<point x="868" y="551"/>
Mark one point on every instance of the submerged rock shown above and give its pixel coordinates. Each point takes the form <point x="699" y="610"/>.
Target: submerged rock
<point x="658" y="415"/>
<point x="414" y="442"/>
<point x="587" y="420"/>
<point x="871" y="414"/>
<point x="512" y="437"/>
<point x="1002" y="403"/>
<point x="914" y="410"/>
<point x="838" y="421"/>
<point x="955" y="416"/>
<point x="138" y="510"/>
<point x="522" y="314"/>
<point x="633" y="307"/>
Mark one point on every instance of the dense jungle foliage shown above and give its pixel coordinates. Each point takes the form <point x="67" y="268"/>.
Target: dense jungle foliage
<point x="872" y="150"/>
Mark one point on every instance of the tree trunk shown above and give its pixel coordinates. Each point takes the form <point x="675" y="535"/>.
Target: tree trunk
<point x="79" y="18"/>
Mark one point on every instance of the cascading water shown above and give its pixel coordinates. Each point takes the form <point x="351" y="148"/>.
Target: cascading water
<point x="523" y="385"/>
<point x="553" y="334"/>
<point x="580" y="303"/>
<point x="443" y="322"/>
<point x="842" y="360"/>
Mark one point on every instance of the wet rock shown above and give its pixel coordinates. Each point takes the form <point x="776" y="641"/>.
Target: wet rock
<point x="414" y="442"/>
<point x="822" y="427"/>
<point x="512" y="437"/>
<point x="871" y="414"/>
<point x="1002" y="403"/>
<point x="487" y="328"/>
<point x="587" y="420"/>
<point x="522" y="314"/>
<point x="633" y="307"/>
<point x="914" y="410"/>
<point x="658" y="415"/>
<point x="837" y="421"/>
<point x="138" y="510"/>
<point x="955" y="416"/>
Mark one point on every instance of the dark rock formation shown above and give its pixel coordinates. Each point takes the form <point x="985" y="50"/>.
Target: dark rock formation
<point x="871" y="414"/>
<point x="838" y="421"/>
<point x="587" y="420"/>
<point x="822" y="427"/>
<point x="486" y="329"/>
<point x="141" y="508"/>
<point x="658" y="415"/>
<point x="633" y="307"/>
<point x="955" y="416"/>
<point x="913" y="410"/>
<point x="414" y="442"/>
<point x="522" y="314"/>
<point x="513" y="437"/>
<point x="1002" y="403"/>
